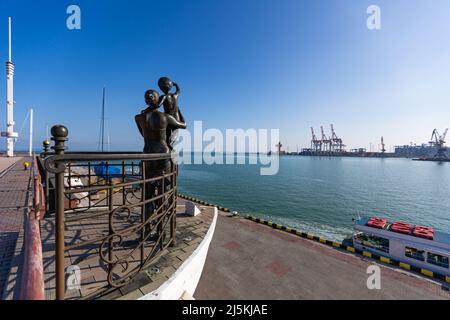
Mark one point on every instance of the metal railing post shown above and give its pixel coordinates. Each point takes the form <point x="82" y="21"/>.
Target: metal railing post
<point x="59" y="134"/>
<point x="46" y="147"/>
<point x="110" y="199"/>
<point x="173" y="221"/>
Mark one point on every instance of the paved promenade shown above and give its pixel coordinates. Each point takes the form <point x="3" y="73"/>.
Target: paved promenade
<point x="247" y="260"/>
<point x="13" y="203"/>
<point x="5" y="163"/>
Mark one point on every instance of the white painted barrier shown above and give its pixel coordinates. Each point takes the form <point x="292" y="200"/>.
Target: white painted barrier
<point x="186" y="278"/>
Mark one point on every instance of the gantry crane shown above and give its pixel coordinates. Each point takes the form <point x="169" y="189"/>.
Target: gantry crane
<point x="336" y="142"/>
<point x="439" y="142"/>
<point x="316" y="144"/>
<point x="326" y="143"/>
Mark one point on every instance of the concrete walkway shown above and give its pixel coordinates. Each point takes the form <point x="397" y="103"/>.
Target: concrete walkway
<point x="14" y="182"/>
<point x="247" y="260"/>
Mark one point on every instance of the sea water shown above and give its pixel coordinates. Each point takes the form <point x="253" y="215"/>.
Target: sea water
<point x="321" y="195"/>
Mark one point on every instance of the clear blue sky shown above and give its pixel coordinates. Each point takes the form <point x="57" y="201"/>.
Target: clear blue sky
<point x="287" y="64"/>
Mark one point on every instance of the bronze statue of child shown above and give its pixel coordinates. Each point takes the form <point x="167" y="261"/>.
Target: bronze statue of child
<point x="169" y="100"/>
<point x="170" y="104"/>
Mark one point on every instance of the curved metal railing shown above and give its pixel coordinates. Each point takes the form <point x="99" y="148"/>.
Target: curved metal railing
<point x="113" y="214"/>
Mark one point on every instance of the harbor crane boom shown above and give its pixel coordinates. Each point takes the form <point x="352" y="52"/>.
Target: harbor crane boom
<point x="439" y="141"/>
<point x="336" y="142"/>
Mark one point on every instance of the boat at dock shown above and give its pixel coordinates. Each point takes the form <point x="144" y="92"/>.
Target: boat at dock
<point x="418" y="246"/>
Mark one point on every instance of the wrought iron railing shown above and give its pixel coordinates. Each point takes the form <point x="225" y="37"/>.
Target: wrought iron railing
<point x="112" y="209"/>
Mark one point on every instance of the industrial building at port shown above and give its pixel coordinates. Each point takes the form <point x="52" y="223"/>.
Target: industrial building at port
<point x="333" y="145"/>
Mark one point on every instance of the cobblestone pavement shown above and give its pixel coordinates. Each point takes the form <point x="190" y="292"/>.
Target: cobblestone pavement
<point x="14" y="183"/>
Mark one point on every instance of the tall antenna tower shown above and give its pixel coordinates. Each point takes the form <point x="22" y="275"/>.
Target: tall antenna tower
<point x="10" y="135"/>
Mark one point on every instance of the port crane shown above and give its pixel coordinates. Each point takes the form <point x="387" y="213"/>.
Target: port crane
<point x="383" y="146"/>
<point x="439" y="142"/>
<point x="326" y="143"/>
<point x="316" y="144"/>
<point x="336" y="142"/>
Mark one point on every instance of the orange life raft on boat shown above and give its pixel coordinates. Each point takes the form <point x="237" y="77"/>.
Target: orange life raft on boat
<point x="401" y="227"/>
<point x="376" y="222"/>
<point x="423" y="232"/>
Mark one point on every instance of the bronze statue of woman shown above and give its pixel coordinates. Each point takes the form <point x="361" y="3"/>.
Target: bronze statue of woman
<point x="154" y="127"/>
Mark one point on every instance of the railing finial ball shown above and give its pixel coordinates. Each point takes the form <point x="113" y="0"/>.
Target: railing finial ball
<point x="59" y="131"/>
<point x="46" y="143"/>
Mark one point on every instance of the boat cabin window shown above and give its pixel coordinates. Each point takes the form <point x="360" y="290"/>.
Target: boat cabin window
<point x="437" y="260"/>
<point x="372" y="241"/>
<point x="415" y="253"/>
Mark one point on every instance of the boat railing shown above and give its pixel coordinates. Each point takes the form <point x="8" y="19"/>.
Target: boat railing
<point x="120" y="205"/>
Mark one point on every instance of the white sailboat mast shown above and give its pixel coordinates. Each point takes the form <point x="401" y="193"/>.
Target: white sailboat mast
<point x="31" y="132"/>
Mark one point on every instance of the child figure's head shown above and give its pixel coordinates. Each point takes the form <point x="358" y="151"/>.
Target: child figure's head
<point x="165" y="84"/>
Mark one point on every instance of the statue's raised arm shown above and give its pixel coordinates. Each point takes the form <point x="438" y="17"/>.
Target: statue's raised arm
<point x="178" y="91"/>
